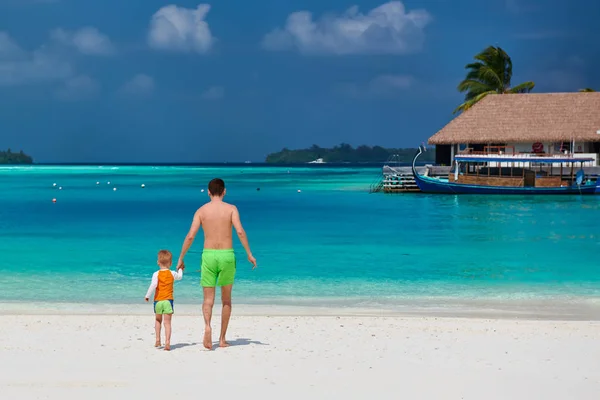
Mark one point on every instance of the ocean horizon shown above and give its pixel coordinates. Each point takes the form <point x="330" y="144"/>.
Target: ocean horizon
<point x="319" y="237"/>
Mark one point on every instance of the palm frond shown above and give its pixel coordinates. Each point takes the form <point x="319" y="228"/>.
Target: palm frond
<point x="524" y="87"/>
<point x="474" y="86"/>
<point x="492" y="76"/>
<point x="491" y="72"/>
<point x="470" y="103"/>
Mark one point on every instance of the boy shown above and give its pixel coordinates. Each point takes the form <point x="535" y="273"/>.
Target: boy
<point x="162" y="282"/>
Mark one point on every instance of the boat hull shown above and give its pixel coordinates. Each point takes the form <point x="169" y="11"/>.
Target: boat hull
<point x="434" y="185"/>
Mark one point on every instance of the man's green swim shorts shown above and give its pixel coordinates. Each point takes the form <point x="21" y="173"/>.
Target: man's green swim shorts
<point x="218" y="267"/>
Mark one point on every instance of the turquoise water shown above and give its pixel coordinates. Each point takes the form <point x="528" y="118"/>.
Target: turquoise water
<point x="331" y="242"/>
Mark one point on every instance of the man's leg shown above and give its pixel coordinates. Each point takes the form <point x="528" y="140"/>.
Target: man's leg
<point x="168" y="331"/>
<point x="207" y="306"/>
<point x="225" y="314"/>
<point x="157" y="324"/>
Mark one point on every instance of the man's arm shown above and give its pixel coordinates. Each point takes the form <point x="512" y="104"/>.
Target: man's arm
<point x="153" y="285"/>
<point x="237" y="224"/>
<point x="189" y="239"/>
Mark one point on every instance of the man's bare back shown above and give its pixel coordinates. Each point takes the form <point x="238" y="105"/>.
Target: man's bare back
<point x="216" y="219"/>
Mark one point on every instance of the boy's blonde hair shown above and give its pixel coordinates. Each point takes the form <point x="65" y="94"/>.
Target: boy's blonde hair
<point x="165" y="258"/>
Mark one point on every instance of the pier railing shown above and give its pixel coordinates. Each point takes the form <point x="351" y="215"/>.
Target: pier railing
<point x="395" y="179"/>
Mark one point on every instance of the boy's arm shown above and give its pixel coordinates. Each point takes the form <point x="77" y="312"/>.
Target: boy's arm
<point x="177" y="275"/>
<point x="237" y="224"/>
<point x="189" y="239"/>
<point x="153" y="285"/>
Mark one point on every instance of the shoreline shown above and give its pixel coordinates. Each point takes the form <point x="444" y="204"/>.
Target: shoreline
<point x="580" y="309"/>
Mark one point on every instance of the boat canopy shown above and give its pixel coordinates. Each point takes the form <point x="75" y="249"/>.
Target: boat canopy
<point x="520" y="158"/>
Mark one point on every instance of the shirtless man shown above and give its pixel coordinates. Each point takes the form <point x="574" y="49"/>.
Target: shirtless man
<point x="218" y="259"/>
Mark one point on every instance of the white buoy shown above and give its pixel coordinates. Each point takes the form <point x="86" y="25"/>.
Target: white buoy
<point x="97" y="183"/>
<point x="114" y="189"/>
<point x="299" y="190"/>
<point x="143" y="185"/>
<point x="108" y="183"/>
<point x="202" y="191"/>
<point x="54" y="184"/>
<point x="60" y="188"/>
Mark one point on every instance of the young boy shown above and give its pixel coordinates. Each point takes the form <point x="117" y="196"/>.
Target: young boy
<point x="162" y="283"/>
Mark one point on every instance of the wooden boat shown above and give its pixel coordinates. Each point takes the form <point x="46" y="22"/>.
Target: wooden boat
<point x="502" y="173"/>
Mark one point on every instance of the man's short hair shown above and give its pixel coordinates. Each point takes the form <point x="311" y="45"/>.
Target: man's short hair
<point x="216" y="187"/>
<point x="165" y="258"/>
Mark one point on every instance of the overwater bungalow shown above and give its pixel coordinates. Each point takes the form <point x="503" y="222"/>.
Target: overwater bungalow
<point x="540" y="124"/>
<point x="520" y="143"/>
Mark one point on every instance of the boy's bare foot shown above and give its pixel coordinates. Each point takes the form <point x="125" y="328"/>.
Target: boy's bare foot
<point x="223" y="343"/>
<point x="208" y="338"/>
<point x="157" y="344"/>
<point x="167" y="346"/>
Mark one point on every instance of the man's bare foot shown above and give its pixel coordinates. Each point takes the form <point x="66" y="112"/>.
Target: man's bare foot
<point x="223" y="343"/>
<point x="157" y="344"/>
<point x="167" y="346"/>
<point x="208" y="338"/>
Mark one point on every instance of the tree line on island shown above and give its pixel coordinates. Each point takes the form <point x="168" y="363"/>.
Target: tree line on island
<point x="347" y="154"/>
<point x="8" y="157"/>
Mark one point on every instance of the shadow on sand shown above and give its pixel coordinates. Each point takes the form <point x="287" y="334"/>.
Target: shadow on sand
<point x="182" y="345"/>
<point x="242" y="342"/>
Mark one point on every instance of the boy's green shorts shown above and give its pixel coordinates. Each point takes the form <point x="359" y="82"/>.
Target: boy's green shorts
<point x="218" y="267"/>
<point x="163" y="307"/>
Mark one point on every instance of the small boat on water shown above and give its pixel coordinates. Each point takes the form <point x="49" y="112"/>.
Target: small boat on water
<point x="317" y="161"/>
<point x="517" y="173"/>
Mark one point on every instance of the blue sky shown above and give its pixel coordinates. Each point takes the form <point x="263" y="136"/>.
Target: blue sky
<point x="153" y="81"/>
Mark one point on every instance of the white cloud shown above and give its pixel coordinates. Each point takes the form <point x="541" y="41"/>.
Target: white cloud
<point x="512" y="6"/>
<point x="381" y="86"/>
<point x="141" y="84"/>
<point x="542" y="35"/>
<point x="20" y="67"/>
<point x="181" y="29"/>
<point x="520" y="6"/>
<point x="575" y="62"/>
<point x="386" y="83"/>
<point x="87" y="40"/>
<point x="565" y="75"/>
<point x="81" y="87"/>
<point x="26" y="2"/>
<point x="214" y="93"/>
<point x="387" y="29"/>
<point x="9" y="49"/>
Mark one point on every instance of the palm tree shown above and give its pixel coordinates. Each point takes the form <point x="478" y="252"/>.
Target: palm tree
<point x="490" y="74"/>
<point x="586" y="90"/>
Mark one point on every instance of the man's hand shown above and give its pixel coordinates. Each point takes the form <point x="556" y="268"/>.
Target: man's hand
<point x="180" y="264"/>
<point x="147" y="299"/>
<point x="252" y="260"/>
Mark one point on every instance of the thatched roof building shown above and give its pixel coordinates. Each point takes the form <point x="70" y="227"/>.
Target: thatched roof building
<point x="526" y="118"/>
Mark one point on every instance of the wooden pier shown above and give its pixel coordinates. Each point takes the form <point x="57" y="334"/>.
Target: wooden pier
<point x="401" y="179"/>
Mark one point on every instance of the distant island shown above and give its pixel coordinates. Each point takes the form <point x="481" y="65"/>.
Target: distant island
<point x="346" y="153"/>
<point x="8" y="157"/>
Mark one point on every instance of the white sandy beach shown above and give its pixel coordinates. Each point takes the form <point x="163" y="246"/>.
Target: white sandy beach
<point x="102" y="356"/>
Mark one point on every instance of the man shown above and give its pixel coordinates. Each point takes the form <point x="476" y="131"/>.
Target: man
<point x="218" y="259"/>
